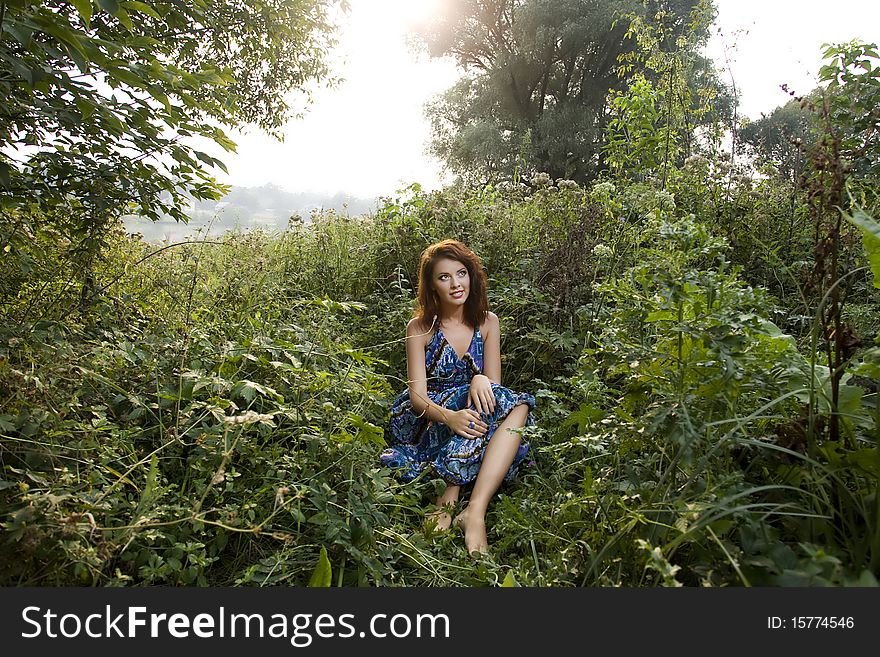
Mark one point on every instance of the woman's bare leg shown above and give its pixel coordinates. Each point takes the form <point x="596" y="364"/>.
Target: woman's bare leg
<point x="441" y="519"/>
<point x="496" y="462"/>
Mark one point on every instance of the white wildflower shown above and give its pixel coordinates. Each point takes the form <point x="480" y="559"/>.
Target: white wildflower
<point x="603" y="251"/>
<point x="604" y="189"/>
<point x="696" y="162"/>
<point x="250" y="417"/>
<point x="541" y="180"/>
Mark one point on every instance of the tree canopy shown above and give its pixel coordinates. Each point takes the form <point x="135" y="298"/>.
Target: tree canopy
<point x="103" y="102"/>
<point x="537" y="76"/>
<point x="777" y="139"/>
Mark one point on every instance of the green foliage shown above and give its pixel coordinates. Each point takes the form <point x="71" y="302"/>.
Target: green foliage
<point x="212" y="413"/>
<point x="537" y="76"/>
<point x="100" y="94"/>
<point x="870" y="239"/>
<point x="687" y="104"/>
<point x="323" y="573"/>
<point x="780" y="138"/>
<point x="636" y="142"/>
<point x="104" y="105"/>
<point x="218" y="419"/>
<point x="852" y="77"/>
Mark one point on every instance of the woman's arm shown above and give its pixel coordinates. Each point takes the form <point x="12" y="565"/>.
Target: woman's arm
<point x="492" y="348"/>
<point x="480" y="393"/>
<point x="464" y="422"/>
<point x="416" y="375"/>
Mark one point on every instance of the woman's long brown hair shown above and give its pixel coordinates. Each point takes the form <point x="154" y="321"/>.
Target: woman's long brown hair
<point x="476" y="306"/>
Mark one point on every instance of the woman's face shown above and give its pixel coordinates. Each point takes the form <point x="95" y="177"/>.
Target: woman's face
<point x="451" y="281"/>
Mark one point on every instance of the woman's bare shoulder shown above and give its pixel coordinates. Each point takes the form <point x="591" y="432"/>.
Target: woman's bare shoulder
<point x="416" y="329"/>
<point x="491" y="324"/>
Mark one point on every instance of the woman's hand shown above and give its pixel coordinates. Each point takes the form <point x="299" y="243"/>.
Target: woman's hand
<point x="467" y="423"/>
<point x="480" y="394"/>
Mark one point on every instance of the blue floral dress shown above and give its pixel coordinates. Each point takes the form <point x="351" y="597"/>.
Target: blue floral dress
<point x="418" y="444"/>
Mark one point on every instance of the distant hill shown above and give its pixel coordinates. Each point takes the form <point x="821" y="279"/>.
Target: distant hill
<point x="268" y="207"/>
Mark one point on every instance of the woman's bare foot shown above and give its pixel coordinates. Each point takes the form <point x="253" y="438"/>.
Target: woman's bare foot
<point x="475" y="538"/>
<point x="441" y="519"/>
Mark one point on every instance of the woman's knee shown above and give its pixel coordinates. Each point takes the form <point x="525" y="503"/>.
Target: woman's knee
<point x="521" y="412"/>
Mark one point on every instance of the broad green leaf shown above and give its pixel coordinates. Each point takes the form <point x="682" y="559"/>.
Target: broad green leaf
<point x="323" y="573"/>
<point x="128" y="77"/>
<point x="142" y="8"/>
<point x="204" y="157"/>
<point x="85" y="107"/>
<point x="367" y="431"/>
<point x="583" y="417"/>
<point x="509" y="580"/>
<point x="661" y="315"/>
<point x="249" y="389"/>
<point x="23" y="71"/>
<point x="867" y="458"/>
<point x="870" y="365"/>
<point x="111" y="6"/>
<point x="866" y="579"/>
<point x="81" y="63"/>
<point x="125" y="19"/>
<point x="870" y="239"/>
<point x="65" y="35"/>
<point x="22" y="33"/>
<point x="84" y="8"/>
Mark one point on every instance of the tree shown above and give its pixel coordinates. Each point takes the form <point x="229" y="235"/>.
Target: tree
<point x="852" y="103"/>
<point x="841" y="182"/>
<point x="780" y="139"/>
<point x="103" y="101"/>
<point x="537" y="74"/>
<point x="672" y="81"/>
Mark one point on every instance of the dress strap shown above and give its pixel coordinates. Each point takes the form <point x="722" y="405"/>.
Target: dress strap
<point x="435" y="334"/>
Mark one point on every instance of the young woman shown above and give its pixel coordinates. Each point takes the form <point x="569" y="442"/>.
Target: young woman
<point x="455" y="419"/>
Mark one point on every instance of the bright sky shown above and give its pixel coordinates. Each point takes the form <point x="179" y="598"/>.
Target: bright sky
<point x="775" y="42"/>
<point x="368" y="136"/>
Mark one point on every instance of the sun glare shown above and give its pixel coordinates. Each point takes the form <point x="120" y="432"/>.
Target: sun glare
<point x="396" y="14"/>
<point x="366" y="135"/>
<point x="418" y="12"/>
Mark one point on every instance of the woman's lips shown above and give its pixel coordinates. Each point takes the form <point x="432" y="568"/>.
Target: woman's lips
<point x="458" y="295"/>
